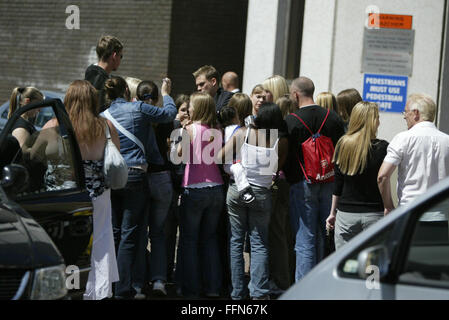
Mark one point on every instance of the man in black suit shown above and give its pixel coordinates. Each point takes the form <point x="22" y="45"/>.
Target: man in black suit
<point x="206" y="80"/>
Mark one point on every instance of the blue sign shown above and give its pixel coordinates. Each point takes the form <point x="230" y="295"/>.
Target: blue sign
<point x="389" y="92"/>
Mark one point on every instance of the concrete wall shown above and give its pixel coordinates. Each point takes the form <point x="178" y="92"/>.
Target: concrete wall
<point x="332" y="47"/>
<point x="260" y="42"/>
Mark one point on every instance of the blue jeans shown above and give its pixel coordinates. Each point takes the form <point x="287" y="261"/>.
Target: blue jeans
<point x="310" y="206"/>
<point x="128" y="213"/>
<point x="199" y="256"/>
<point x="253" y="218"/>
<point x="161" y="193"/>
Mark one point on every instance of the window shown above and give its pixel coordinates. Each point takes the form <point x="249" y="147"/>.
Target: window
<point x="428" y="254"/>
<point x="349" y="266"/>
<point x="48" y="158"/>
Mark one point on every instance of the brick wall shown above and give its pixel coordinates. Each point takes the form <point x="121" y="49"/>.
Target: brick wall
<point x="37" y="49"/>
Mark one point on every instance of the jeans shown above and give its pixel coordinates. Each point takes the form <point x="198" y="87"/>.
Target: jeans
<point x="200" y="258"/>
<point x="128" y="212"/>
<point x="253" y="218"/>
<point x="309" y="208"/>
<point x="161" y="192"/>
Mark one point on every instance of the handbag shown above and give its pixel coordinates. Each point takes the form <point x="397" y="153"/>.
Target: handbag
<point x="115" y="169"/>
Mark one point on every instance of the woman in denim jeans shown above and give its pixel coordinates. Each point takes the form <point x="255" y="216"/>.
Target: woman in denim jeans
<point x="160" y="193"/>
<point x="202" y="202"/>
<point x="129" y="203"/>
<point x="258" y="151"/>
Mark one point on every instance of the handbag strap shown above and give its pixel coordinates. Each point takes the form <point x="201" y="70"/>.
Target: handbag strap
<point x="108" y="135"/>
<point x="125" y="132"/>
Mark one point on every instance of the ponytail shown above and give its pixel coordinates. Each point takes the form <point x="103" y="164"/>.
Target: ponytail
<point x="18" y="96"/>
<point x="115" y="88"/>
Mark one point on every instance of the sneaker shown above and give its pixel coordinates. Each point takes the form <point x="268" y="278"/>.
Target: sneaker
<point x="247" y="195"/>
<point x="159" y="288"/>
<point x="140" y="296"/>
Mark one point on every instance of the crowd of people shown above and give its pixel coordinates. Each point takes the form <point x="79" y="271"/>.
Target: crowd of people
<point x="230" y="202"/>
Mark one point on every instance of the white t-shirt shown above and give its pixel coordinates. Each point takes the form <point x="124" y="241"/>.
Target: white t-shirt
<point x="422" y="157"/>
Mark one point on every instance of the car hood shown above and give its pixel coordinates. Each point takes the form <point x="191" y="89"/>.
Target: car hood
<point x="23" y="242"/>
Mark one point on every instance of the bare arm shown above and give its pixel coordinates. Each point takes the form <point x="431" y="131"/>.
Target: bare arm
<point x="229" y="150"/>
<point x="383" y="182"/>
<point x="21" y="135"/>
<point x="330" y="221"/>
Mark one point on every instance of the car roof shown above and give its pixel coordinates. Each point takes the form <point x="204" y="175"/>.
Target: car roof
<point x="47" y="94"/>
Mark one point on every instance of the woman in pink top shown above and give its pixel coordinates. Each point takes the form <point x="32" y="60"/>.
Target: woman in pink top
<point x="202" y="203"/>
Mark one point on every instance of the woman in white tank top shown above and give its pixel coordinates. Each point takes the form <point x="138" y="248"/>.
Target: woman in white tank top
<point x="263" y="152"/>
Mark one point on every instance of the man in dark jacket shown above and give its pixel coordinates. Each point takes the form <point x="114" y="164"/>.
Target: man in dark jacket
<point x="110" y="54"/>
<point x="206" y="80"/>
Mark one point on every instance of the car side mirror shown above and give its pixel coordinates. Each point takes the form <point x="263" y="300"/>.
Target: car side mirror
<point x="15" y="179"/>
<point x="373" y="259"/>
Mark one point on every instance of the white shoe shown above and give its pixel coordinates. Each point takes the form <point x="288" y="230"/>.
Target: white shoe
<point x="140" y="296"/>
<point x="159" y="288"/>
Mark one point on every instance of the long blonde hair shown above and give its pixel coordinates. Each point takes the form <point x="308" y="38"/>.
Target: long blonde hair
<point x="19" y="95"/>
<point x="327" y="100"/>
<point x="351" y="151"/>
<point x="203" y="108"/>
<point x="277" y="85"/>
<point x="81" y="102"/>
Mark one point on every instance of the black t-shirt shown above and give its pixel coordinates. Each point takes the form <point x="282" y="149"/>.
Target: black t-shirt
<point x="313" y="116"/>
<point x="97" y="76"/>
<point x="25" y="124"/>
<point x="162" y="132"/>
<point x="360" y="193"/>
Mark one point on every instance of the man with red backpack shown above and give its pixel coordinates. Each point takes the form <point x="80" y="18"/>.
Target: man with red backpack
<point x="313" y="133"/>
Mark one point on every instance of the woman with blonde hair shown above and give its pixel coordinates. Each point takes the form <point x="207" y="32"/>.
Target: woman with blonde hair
<point x="91" y="130"/>
<point x="356" y="201"/>
<point x="286" y="105"/>
<point x="276" y="87"/>
<point x="24" y="127"/>
<point x="201" y="204"/>
<point x="327" y="100"/>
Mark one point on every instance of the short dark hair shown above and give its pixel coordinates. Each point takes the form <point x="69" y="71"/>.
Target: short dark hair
<point x="270" y="117"/>
<point x="181" y="99"/>
<point x="305" y="86"/>
<point x="227" y="115"/>
<point x="106" y="46"/>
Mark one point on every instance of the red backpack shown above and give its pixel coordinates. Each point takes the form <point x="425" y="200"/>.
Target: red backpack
<point x="317" y="151"/>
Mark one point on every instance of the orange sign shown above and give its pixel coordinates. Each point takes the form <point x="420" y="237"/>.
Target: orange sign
<point x="391" y="21"/>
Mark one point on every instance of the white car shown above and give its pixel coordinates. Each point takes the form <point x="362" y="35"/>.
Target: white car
<point x="405" y="255"/>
